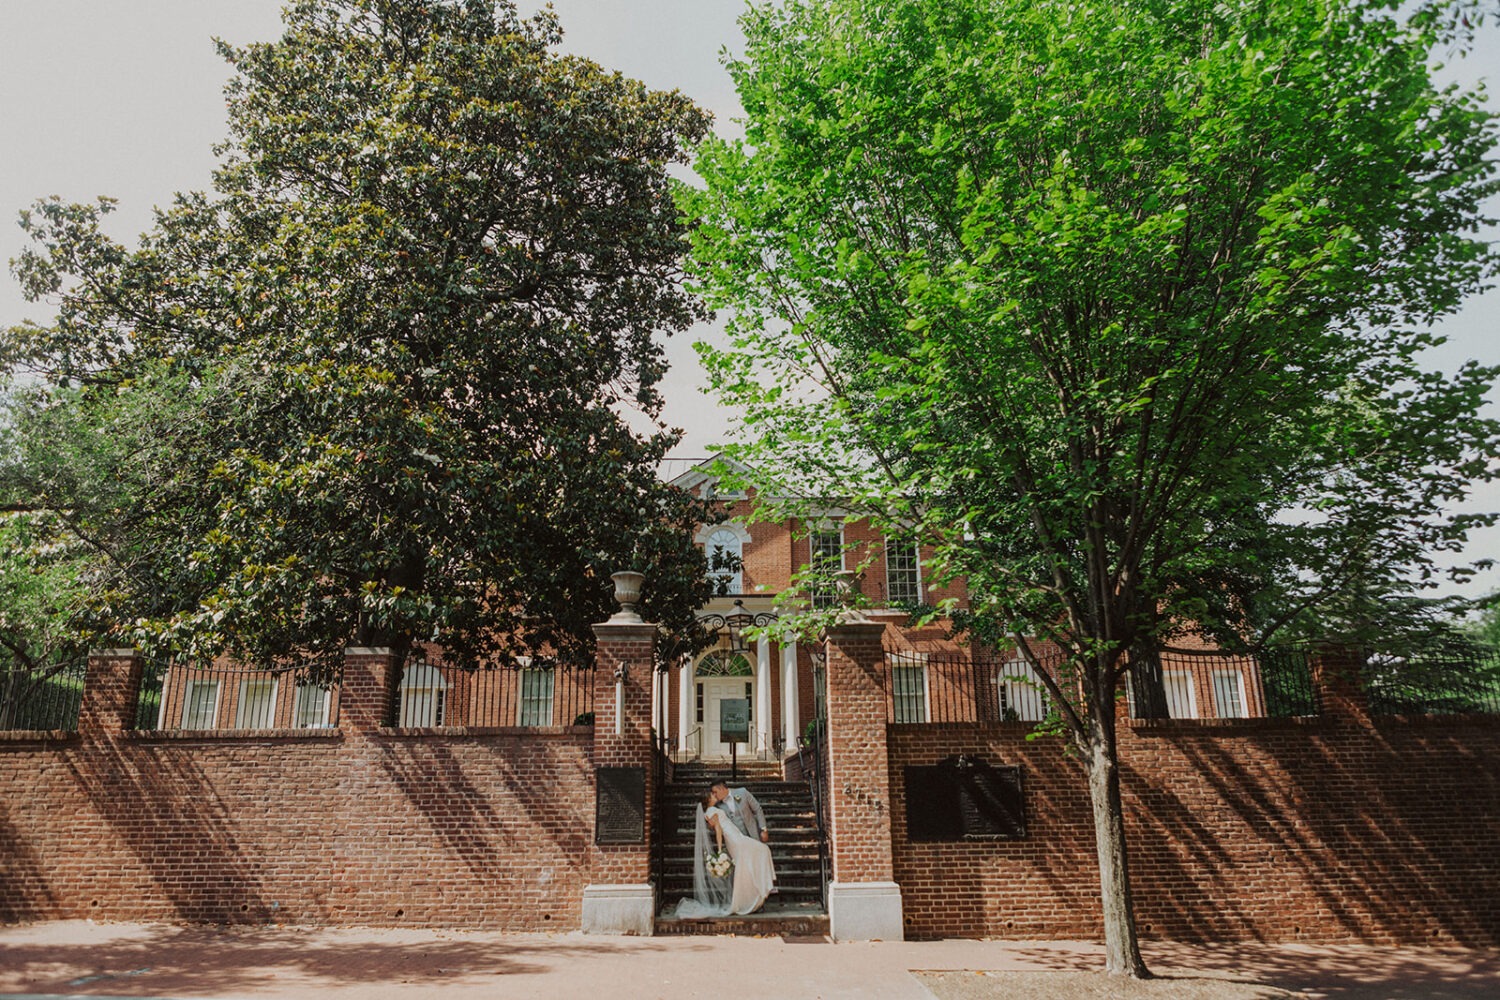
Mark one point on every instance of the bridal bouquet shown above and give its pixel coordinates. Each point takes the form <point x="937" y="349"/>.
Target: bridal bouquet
<point x="718" y="863"/>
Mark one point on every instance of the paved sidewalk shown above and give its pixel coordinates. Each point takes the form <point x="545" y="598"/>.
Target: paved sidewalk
<point x="130" y="960"/>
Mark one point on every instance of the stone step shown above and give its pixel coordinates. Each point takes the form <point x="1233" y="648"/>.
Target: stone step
<point x="683" y="850"/>
<point x="674" y="886"/>
<point x="779" y="850"/>
<point x="690" y="787"/>
<point x="800" y="883"/>
<point x="802" y="895"/>
<point x="774" y="920"/>
<point x="774" y="821"/>
<point x="792" y="863"/>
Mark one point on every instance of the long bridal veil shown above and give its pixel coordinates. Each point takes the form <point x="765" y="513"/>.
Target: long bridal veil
<point x="710" y="895"/>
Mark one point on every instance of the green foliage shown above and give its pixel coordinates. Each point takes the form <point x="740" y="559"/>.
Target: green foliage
<point x="1119" y="308"/>
<point x="1484" y="630"/>
<point x="368" y="389"/>
<point x="41" y="589"/>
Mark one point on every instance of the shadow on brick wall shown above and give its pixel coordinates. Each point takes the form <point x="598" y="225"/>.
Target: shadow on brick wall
<point x="1316" y="836"/>
<point x="27" y="896"/>
<point x="1276" y="833"/>
<point x="184" y="839"/>
<point x="496" y="799"/>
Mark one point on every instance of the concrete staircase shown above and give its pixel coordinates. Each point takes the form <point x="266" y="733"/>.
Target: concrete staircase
<point x="796" y="909"/>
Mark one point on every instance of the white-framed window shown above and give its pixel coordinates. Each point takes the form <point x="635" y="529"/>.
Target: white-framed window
<point x="725" y="543"/>
<point x="826" y="556"/>
<point x="903" y="573"/>
<point x="310" y="707"/>
<point x="1229" y="694"/>
<point x="424" y="695"/>
<point x="536" y="696"/>
<point x="1021" y="695"/>
<point x="200" y="704"/>
<point x="909" y="682"/>
<point x="1181" y="701"/>
<point x="256" y="708"/>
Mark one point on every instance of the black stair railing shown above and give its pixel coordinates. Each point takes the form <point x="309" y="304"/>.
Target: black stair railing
<point x="815" y="746"/>
<point x="661" y="822"/>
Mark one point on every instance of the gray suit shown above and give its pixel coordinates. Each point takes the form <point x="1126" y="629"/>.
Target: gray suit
<point x="747" y="814"/>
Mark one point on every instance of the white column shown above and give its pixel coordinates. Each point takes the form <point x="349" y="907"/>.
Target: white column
<point x="685" y="709"/>
<point x="763" y="694"/>
<point x="790" y="715"/>
<point x="656" y="703"/>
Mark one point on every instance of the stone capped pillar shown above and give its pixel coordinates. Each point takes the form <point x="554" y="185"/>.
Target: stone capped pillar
<point x="111" y="686"/>
<point x="864" y="901"/>
<point x="620" y="898"/>
<point x="368" y="689"/>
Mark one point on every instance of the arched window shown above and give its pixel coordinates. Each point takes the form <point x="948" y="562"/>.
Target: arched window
<point x="724" y="550"/>
<point x="724" y="664"/>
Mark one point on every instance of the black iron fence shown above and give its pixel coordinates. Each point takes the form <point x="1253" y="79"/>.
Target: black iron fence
<point x="181" y="695"/>
<point x="1453" y="681"/>
<point x="533" y="694"/>
<point x="958" y="687"/>
<point x="45" y="697"/>
<point x="1209" y="684"/>
<point x="988" y="689"/>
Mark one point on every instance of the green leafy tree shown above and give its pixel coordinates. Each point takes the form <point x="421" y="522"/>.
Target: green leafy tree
<point x="371" y="388"/>
<point x="1485" y="628"/>
<point x="1118" y="307"/>
<point x="41" y="589"/>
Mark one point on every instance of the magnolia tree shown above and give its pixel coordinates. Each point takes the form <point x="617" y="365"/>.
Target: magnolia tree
<point x="370" y="388"/>
<point x="1118" y="307"/>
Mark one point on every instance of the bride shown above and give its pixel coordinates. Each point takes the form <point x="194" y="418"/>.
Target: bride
<point x="753" y="873"/>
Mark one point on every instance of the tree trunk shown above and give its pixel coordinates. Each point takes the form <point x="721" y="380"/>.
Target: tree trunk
<point x="1148" y="683"/>
<point x="1121" y="948"/>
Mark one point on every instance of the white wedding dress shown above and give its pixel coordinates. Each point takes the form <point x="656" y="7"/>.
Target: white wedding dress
<point x="753" y="877"/>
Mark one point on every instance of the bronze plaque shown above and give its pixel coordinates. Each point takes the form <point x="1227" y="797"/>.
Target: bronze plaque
<point x="620" y="806"/>
<point x="964" y="798"/>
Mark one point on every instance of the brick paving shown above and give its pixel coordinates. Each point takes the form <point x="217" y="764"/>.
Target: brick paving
<point x="78" y="958"/>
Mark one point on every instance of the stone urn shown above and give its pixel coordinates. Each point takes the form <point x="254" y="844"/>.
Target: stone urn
<point x="628" y="594"/>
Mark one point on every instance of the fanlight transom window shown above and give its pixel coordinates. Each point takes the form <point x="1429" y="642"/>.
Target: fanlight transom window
<point x="724" y="665"/>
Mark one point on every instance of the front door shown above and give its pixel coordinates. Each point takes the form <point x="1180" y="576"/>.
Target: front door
<point x="714" y="691"/>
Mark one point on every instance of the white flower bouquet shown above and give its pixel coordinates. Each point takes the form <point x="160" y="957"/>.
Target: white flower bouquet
<point x="718" y="864"/>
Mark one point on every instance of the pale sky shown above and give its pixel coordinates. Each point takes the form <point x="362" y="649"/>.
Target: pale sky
<point x="123" y="99"/>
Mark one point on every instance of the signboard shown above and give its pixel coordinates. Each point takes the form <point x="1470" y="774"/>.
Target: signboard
<point x="964" y="798"/>
<point x="734" y="720"/>
<point x="620" y="807"/>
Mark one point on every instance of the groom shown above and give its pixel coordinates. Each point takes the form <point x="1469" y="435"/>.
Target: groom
<point x="742" y="809"/>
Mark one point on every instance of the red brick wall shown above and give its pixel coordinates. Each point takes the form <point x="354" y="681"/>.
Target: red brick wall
<point x="1265" y="830"/>
<point x="487" y="831"/>
<point x="359" y="825"/>
<point x="777" y="549"/>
